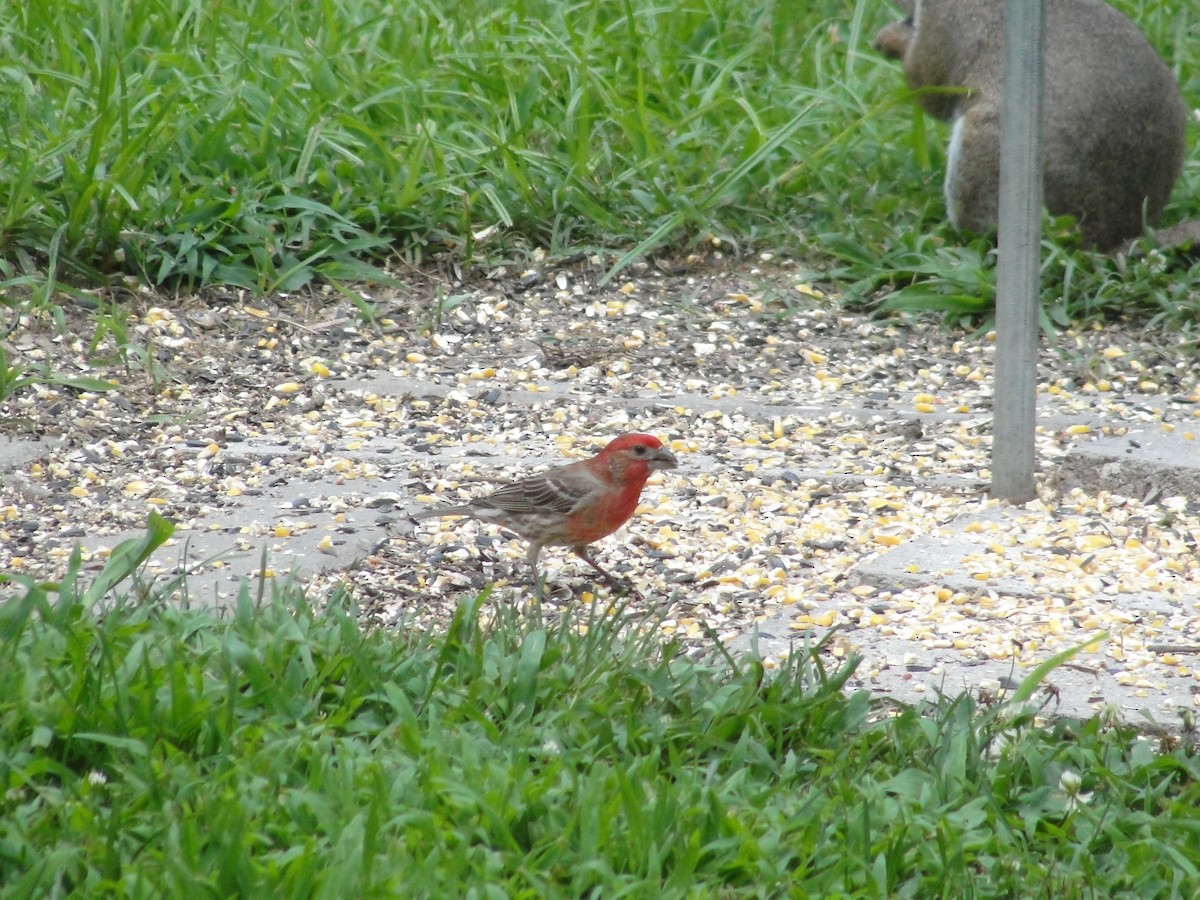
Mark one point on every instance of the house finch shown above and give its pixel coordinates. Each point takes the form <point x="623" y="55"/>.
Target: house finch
<point x="572" y="505"/>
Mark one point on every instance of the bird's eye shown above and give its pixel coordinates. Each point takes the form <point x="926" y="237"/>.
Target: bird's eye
<point x="640" y="449"/>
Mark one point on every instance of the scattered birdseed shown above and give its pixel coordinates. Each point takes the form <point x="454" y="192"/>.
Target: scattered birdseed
<point x="811" y="441"/>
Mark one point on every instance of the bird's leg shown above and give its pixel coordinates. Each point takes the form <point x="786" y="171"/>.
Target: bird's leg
<point x="622" y="584"/>
<point x="539" y="582"/>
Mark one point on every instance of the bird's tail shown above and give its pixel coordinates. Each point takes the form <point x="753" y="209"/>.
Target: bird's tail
<point x="436" y="512"/>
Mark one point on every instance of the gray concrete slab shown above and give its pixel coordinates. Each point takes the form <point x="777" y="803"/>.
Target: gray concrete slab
<point x="310" y="527"/>
<point x="910" y="670"/>
<point x="1145" y="464"/>
<point x="17" y="451"/>
<point x="945" y="561"/>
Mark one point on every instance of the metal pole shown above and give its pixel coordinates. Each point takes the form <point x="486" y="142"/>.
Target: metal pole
<point x="1019" y="253"/>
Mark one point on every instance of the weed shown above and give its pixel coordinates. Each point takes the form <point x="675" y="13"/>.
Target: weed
<point x="16" y="377"/>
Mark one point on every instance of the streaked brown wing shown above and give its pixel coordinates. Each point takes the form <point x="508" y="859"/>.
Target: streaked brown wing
<point x="556" y="491"/>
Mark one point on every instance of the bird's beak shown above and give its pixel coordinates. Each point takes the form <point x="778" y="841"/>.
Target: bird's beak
<point x="662" y="459"/>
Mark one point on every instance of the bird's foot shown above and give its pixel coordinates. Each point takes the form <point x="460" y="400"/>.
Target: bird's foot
<point x="624" y="587"/>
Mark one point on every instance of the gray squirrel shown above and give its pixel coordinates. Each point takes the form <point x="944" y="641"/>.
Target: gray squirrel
<point x="1113" y="118"/>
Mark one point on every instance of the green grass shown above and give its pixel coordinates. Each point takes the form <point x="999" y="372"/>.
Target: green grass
<point x="147" y="750"/>
<point x="286" y="750"/>
<point x="268" y="144"/>
<point x="264" y="144"/>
